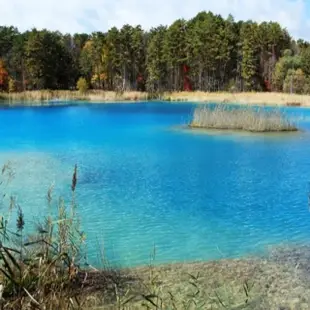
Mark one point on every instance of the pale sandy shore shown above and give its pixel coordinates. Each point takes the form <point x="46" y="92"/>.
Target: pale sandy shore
<point x="47" y="97"/>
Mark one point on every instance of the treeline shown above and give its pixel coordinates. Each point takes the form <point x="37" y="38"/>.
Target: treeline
<point x="207" y="53"/>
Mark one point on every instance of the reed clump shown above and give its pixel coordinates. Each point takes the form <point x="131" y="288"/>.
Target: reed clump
<point x="43" y="269"/>
<point x="246" y="118"/>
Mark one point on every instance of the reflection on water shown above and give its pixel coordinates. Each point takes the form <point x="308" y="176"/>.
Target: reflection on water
<point x="241" y="133"/>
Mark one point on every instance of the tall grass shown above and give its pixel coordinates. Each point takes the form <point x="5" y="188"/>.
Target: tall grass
<point x="259" y="98"/>
<point x="46" y="96"/>
<point x="246" y="118"/>
<point x="44" y="269"/>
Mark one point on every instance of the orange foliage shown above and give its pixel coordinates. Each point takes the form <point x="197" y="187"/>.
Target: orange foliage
<point x="103" y="76"/>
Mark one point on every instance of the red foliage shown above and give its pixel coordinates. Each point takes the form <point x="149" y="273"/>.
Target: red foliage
<point x="186" y="81"/>
<point x="185" y="68"/>
<point x="267" y="85"/>
<point x="140" y="78"/>
<point x="3" y="74"/>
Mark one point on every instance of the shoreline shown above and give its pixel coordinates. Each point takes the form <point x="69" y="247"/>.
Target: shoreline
<point x="279" y="280"/>
<point x="67" y="97"/>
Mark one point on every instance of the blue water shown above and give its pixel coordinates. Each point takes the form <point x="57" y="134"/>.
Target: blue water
<point x="144" y="181"/>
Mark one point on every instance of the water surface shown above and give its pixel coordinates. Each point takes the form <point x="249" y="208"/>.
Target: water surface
<point x="144" y="181"/>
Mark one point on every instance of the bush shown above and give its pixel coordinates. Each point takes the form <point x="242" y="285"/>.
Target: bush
<point x="232" y="86"/>
<point x="295" y="80"/>
<point x="82" y="85"/>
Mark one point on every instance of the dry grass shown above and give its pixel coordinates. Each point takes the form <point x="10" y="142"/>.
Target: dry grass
<point x="67" y="95"/>
<point x="44" y="96"/>
<point x="245" y="118"/>
<point x="42" y="270"/>
<point x="260" y="98"/>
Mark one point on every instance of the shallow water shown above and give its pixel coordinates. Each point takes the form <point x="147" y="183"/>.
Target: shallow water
<point x="145" y="181"/>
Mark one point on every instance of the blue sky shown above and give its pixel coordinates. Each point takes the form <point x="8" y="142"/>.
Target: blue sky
<point x="91" y="15"/>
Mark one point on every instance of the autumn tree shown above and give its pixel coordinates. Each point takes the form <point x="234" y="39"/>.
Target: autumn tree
<point x="82" y="85"/>
<point x="209" y="52"/>
<point x="3" y="76"/>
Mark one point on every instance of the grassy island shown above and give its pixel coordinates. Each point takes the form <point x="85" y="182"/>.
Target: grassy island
<point x="247" y="118"/>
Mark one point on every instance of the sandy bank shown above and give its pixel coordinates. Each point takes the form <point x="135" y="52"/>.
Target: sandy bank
<point x="46" y="97"/>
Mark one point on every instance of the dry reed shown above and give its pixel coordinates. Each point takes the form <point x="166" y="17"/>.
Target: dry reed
<point x="255" y="98"/>
<point x="47" y="96"/>
<point x="246" y="118"/>
<point x="41" y="270"/>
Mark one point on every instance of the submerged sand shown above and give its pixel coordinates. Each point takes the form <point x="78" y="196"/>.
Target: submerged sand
<point x="281" y="281"/>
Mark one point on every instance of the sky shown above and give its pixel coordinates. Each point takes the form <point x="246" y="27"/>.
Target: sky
<point x="70" y="16"/>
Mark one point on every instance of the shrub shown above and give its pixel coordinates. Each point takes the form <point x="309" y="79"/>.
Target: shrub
<point x="295" y="81"/>
<point x="82" y="85"/>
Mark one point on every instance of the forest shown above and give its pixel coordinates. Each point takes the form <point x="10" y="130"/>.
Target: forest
<point x="205" y="53"/>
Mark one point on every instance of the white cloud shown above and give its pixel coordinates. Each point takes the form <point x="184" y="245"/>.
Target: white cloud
<point x="85" y="16"/>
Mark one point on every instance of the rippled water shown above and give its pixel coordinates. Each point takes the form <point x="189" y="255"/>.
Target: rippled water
<point x="145" y="181"/>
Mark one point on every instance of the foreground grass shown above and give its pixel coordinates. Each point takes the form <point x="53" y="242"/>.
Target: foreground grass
<point x="45" y="96"/>
<point x="246" y="118"/>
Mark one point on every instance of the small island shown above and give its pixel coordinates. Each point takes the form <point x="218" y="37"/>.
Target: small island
<point x="251" y="119"/>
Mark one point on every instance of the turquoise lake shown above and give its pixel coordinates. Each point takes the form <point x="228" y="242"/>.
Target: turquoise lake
<point x="145" y="181"/>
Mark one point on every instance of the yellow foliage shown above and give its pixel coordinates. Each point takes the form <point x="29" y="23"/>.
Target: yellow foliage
<point x="88" y="44"/>
<point x="94" y="78"/>
<point x="11" y="85"/>
<point x="82" y="85"/>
